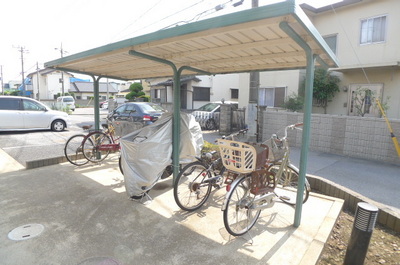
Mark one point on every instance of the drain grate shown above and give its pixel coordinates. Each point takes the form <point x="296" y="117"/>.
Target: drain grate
<point x="100" y="261"/>
<point x="26" y="232"/>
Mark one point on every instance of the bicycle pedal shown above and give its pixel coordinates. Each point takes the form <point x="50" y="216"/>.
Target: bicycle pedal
<point x="285" y="198"/>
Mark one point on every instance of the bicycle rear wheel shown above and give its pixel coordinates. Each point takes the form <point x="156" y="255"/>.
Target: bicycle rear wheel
<point x="287" y="184"/>
<point x="239" y="217"/>
<point x="73" y="150"/>
<point x="191" y="188"/>
<point x="92" y="146"/>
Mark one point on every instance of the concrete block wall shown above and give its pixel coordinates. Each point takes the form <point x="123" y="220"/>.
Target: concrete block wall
<point x="225" y="119"/>
<point x="359" y="137"/>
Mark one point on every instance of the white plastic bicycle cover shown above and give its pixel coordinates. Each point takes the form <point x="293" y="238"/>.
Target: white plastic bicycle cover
<point x="146" y="152"/>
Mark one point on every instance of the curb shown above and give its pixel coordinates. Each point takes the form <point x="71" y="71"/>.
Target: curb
<point x="45" y="162"/>
<point x="386" y="216"/>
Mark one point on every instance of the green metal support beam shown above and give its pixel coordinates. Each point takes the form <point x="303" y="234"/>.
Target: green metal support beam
<point x="306" y="117"/>
<point x="177" y="104"/>
<point x="96" y="102"/>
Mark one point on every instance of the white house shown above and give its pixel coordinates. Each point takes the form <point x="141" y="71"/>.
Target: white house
<point x="47" y="83"/>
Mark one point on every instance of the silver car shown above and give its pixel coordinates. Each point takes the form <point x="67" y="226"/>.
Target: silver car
<point x="22" y="113"/>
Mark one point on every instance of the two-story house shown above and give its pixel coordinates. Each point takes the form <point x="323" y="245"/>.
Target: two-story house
<point x="364" y="35"/>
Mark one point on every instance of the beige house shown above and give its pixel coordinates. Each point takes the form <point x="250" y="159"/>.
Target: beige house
<point x="365" y="36"/>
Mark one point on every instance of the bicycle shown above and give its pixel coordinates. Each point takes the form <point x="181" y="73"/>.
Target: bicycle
<point x="74" y="147"/>
<point x="73" y="150"/>
<point x="97" y="145"/>
<point x="260" y="180"/>
<point x="194" y="182"/>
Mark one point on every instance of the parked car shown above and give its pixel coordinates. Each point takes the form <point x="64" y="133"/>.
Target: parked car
<point x="67" y="101"/>
<point x="21" y="113"/>
<point x="143" y="112"/>
<point x="208" y="114"/>
<point x="101" y="104"/>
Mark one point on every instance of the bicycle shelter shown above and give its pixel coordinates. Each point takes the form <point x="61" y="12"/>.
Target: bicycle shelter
<point x="274" y="37"/>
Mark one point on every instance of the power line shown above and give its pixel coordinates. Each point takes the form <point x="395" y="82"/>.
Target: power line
<point x="208" y="12"/>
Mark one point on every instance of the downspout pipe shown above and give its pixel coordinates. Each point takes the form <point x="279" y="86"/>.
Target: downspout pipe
<point x="306" y="117"/>
<point x="177" y="104"/>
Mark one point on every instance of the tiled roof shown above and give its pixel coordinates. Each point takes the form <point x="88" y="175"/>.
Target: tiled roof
<point x="82" y="87"/>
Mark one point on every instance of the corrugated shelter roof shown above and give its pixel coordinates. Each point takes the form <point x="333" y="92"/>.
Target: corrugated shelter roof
<point x="239" y="42"/>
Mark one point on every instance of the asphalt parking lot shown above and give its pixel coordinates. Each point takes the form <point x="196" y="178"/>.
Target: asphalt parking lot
<point x="32" y="145"/>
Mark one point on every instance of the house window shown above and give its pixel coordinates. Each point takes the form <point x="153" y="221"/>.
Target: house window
<point x="201" y="93"/>
<point x="271" y="96"/>
<point x="234" y="93"/>
<point x="331" y="40"/>
<point x="373" y="30"/>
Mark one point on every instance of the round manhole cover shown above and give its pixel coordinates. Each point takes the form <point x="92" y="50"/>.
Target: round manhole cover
<point x="25" y="232"/>
<point x="100" y="261"/>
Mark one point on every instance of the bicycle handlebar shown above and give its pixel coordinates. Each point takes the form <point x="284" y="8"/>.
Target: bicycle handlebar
<point x="242" y="131"/>
<point x="292" y="126"/>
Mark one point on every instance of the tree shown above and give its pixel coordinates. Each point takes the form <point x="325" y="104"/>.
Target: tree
<point x="325" y="86"/>
<point x="136" y="91"/>
<point x="294" y="103"/>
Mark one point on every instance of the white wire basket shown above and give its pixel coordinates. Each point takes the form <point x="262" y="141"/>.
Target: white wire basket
<point x="242" y="157"/>
<point x="277" y="150"/>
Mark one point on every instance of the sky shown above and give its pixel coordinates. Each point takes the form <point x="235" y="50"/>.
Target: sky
<point x="42" y="28"/>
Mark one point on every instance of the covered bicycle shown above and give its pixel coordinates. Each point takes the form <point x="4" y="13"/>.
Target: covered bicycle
<point x="147" y="152"/>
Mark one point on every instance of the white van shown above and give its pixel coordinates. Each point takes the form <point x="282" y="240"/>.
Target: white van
<point x="21" y="114"/>
<point x="67" y="101"/>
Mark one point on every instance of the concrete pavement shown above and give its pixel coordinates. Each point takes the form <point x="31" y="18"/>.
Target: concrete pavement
<point x="85" y="217"/>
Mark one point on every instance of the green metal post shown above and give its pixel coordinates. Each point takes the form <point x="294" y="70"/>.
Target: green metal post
<point x="96" y="102"/>
<point x="306" y="135"/>
<point x="306" y="117"/>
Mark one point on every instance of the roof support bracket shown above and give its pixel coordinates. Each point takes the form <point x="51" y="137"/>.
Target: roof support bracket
<point x="177" y="104"/>
<point x="306" y="117"/>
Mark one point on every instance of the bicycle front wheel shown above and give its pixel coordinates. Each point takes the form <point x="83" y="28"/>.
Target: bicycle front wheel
<point x="239" y="215"/>
<point x="287" y="184"/>
<point x="93" y="146"/>
<point x="73" y="150"/>
<point x="191" y="188"/>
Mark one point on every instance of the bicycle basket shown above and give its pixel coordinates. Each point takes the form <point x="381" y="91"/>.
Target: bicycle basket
<point x="242" y="157"/>
<point x="262" y="181"/>
<point x="277" y="150"/>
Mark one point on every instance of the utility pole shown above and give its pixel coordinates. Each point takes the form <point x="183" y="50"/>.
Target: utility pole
<point x="22" y="50"/>
<point x="37" y="81"/>
<point x="1" y="78"/>
<point x="252" y="111"/>
<point x="62" y="72"/>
